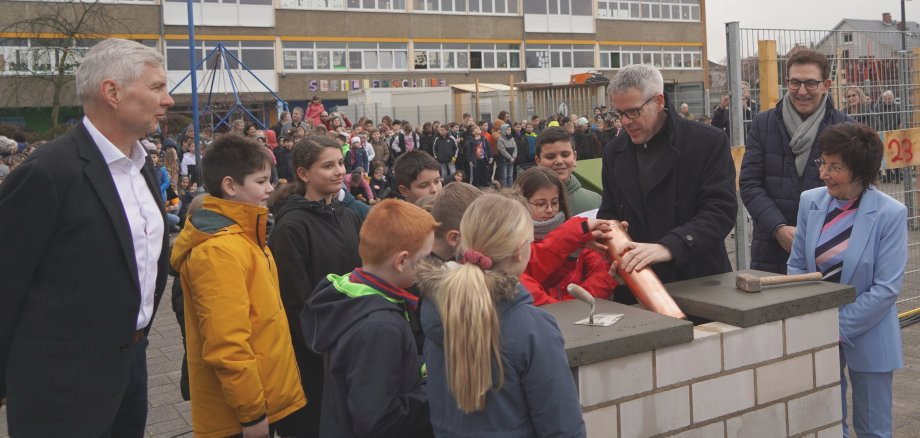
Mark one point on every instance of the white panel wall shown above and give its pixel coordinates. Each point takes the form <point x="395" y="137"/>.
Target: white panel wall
<point x="219" y="14"/>
<point x="558" y="23"/>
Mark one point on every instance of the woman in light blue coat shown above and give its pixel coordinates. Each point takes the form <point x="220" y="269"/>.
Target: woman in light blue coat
<point x="854" y="234"/>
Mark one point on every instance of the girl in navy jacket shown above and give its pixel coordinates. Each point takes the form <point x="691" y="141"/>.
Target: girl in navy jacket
<point x="485" y="342"/>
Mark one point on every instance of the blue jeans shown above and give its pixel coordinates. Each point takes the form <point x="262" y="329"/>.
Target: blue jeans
<point x="507" y="174"/>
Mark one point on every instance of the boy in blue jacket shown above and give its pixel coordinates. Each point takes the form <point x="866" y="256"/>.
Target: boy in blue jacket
<point x="373" y="383"/>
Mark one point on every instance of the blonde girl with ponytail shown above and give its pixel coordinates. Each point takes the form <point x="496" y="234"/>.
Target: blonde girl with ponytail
<point x="496" y="363"/>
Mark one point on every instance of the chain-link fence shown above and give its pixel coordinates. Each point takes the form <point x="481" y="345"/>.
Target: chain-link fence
<point x="874" y="81"/>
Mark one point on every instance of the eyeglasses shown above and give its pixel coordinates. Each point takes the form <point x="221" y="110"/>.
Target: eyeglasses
<point x="633" y="113"/>
<point x="545" y="205"/>
<point x="795" y="84"/>
<point x="831" y="168"/>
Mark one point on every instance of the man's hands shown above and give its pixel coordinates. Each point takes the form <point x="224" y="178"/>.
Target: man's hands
<point x="640" y="255"/>
<point x="784" y="235"/>
<point x="258" y="430"/>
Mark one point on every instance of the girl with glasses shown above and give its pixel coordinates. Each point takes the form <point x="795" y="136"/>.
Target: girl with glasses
<point x="559" y="241"/>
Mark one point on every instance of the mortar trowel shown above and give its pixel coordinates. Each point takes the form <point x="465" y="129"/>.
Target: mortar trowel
<point x="602" y="319"/>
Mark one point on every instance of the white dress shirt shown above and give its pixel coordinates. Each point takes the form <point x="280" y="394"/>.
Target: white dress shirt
<point x="144" y="217"/>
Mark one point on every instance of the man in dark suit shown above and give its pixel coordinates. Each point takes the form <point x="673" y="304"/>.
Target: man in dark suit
<point x="671" y="179"/>
<point x="84" y="258"/>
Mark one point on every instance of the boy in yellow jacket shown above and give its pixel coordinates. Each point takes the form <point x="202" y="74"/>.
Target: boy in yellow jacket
<point x="243" y="377"/>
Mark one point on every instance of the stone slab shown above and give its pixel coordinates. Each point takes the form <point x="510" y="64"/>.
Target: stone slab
<point x="716" y="298"/>
<point x="638" y="331"/>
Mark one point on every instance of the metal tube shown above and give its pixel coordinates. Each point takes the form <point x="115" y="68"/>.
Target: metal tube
<point x="193" y="72"/>
<point x="733" y="41"/>
<point x="643" y="284"/>
<point x="905" y="117"/>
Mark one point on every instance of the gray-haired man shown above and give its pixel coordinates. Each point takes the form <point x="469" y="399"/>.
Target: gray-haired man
<point x="85" y="268"/>
<point x="670" y="178"/>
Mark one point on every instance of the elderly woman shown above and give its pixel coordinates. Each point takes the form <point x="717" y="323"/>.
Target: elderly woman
<point x="854" y="234"/>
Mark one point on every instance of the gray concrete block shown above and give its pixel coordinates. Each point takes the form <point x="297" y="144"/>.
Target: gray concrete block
<point x="715" y="298"/>
<point x="638" y="331"/>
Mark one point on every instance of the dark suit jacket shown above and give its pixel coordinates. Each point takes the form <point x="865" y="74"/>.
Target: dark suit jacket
<point x="690" y="208"/>
<point x="69" y="292"/>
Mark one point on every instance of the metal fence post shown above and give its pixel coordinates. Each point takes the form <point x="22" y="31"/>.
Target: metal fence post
<point x="905" y="116"/>
<point x="376" y="115"/>
<point x="733" y="41"/>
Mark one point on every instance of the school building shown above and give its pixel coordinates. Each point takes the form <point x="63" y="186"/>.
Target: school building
<point x="301" y="48"/>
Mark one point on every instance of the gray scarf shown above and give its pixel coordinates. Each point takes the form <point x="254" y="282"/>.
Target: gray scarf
<point x="542" y="228"/>
<point x="803" y="132"/>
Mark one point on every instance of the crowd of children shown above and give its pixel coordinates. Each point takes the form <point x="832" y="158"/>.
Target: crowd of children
<point x="397" y="320"/>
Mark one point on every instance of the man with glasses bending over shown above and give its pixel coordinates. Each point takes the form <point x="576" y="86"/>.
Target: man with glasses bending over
<point x="779" y="162"/>
<point x="671" y="179"/>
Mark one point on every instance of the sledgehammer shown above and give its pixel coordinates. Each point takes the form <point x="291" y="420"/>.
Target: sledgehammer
<point x="753" y="283"/>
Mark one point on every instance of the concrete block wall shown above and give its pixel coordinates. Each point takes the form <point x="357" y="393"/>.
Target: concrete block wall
<point x="779" y="379"/>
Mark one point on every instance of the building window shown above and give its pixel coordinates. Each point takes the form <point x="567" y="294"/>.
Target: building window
<point x="559" y="7"/>
<point x="560" y="56"/>
<point x="340" y="56"/>
<point x="354" y="5"/>
<point x="490" y="7"/>
<point x="39" y="56"/>
<point x="848" y="37"/>
<point x="255" y="55"/>
<point x="662" y="57"/>
<point x="430" y="56"/>
<point x="225" y="2"/>
<point x="653" y="10"/>
<point x="495" y="57"/>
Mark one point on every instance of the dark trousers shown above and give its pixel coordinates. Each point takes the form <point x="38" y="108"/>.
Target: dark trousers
<point x="132" y="414"/>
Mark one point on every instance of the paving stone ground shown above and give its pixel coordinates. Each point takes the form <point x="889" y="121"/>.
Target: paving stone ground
<point x="170" y="416"/>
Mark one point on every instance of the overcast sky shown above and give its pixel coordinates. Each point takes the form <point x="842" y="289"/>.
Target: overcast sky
<point x="794" y="14"/>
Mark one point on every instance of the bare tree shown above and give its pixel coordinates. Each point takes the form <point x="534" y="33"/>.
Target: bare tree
<point x="59" y="34"/>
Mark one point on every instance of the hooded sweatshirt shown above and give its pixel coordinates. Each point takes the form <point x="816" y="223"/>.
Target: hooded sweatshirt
<point x="538" y="398"/>
<point x="374" y="384"/>
<point x="241" y="364"/>
<point x="311" y="239"/>
<point x="580" y="199"/>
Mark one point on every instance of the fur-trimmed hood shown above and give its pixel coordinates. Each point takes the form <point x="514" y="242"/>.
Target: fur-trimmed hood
<point x="431" y="272"/>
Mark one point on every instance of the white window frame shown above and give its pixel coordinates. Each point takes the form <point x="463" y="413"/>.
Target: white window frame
<point x="28" y="52"/>
<point x="316" y="49"/>
<point x="563" y="55"/>
<point x="235" y="46"/>
<point x="687" y="11"/>
<point x="437" y="7"/>
<point x="148" y="2"/>
<point x="346" y="5"/>
<point x="662" y="57"/>
<point x="495" y="51"/>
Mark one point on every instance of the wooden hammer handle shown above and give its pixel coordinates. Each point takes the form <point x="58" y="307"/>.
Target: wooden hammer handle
<point x="783" y="279"/>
